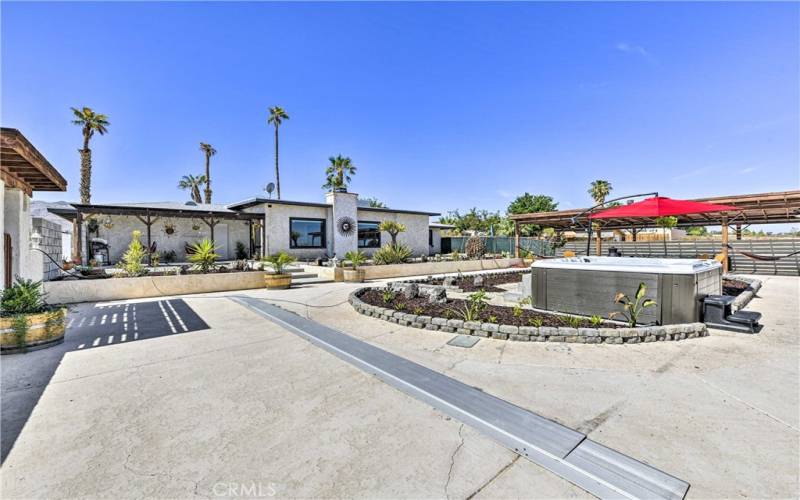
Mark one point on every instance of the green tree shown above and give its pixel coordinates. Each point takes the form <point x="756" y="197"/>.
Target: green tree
<point x="339" y="173"/>
<point x="526" y="204"/>
<point x="666" y="223"/>
<point x="209" y="151"/>
<point x="90" y="122"/>
<point x="599" y="190"/>
<point x="373" y="202"/>
<point x="276" y="116"/>
<point x="481" y="221"/>
<point x="697" y="231"/>
<point x="193" y="184"/>
<point x="393" y="228"/>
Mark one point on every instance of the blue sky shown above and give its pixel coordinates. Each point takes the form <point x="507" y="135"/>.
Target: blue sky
<point x="440" y="106"/>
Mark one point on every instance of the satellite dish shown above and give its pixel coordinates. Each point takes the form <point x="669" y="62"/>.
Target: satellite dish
<point x="270" y="188"/>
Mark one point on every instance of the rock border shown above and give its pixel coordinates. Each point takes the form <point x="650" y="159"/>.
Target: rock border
<point x="749" y="293"/>
<point x="427" y="280"/>
<point x="530" y="333"/>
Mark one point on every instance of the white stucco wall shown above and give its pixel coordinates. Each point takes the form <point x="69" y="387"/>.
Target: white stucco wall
<point x="414" y="237"/>
<point x="437" y="241"/>
<point x="226" y="234"/>
<point x="276" y="222"/>
<point x="17" y="223"/>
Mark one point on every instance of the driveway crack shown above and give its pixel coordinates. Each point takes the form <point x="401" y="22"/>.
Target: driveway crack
<point x="453" y="459"/>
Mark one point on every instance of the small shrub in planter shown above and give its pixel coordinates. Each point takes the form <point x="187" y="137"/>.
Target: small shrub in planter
<point x="355" y="275"/>
<point x="25" y="319"/>
<point x="204" y="255"/>
<point x="131" y="262"/>
<point x="279" y="279"/>
<point x="392" y="254"/>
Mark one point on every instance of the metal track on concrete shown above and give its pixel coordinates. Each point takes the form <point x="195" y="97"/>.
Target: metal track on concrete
<point x="600" y="471"/>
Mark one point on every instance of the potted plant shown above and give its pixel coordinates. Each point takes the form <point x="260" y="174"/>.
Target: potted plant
<point x="355" y="275"/>
<point x="26" y="320"/>
<point x="279" y="279"/>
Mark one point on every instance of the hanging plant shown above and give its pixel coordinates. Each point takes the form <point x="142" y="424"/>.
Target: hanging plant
<point x="195" y="225"/>
<point x="169" y="228"/>
<point x="108" y="223"/>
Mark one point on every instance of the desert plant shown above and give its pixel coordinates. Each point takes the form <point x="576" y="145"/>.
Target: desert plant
<point x="356" y="258"/>
<point x="455" y="256"/>
<point x="387" y="296"/>
<point x="169" y="256"/>
<point x="537" y="322"/>
<point x="276" y="116"/>
<point x="596" y="320"/>
<point x="399" y="306"/>
<point x="23" y="297"/>
<point x="491" y="319"/>
<point x="241" y="251"/>
<point x="338" y="173"/>
<point x="155" y="259"/>
<point x="279" y="262"/>
<point x="393" y="228"/>
<point x="632" y="308"/>
<point x="475" y="247"/>
<point x="90" y="122"/>
<point x="131" y="262"/>
<point x="204" y="255"/>
<point x="471" y="309"/>
<point x="208" y="151"/>
<point x="574" y="321"/>
<point x="392" y="254"/>
<point x="418" y="310"/>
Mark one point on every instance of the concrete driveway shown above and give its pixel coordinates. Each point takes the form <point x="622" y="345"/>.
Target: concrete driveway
<point x="244" y="408"/>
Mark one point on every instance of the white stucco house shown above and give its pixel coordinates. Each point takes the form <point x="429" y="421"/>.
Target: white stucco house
<point x="306" y="230"/>
<point x="23" y="170"/>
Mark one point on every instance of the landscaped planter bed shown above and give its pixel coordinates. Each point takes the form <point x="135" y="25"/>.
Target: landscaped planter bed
<point x="97" y="290"/>
<point x="28" y="332"/>
<point x="466" y="283"/>
<point x="417" y="268"/>
<point x="418" y="312"/>
<point x="743" y="288"/>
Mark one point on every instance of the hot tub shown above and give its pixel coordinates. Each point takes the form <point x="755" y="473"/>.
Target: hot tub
<point x="587" y="285"/>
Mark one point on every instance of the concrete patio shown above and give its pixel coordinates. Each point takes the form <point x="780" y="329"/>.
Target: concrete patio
<point x="245" y="408"/>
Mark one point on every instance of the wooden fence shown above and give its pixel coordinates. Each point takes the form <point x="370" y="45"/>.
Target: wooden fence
<point x="694" y="248"/>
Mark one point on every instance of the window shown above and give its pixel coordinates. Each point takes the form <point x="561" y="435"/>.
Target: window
<point x="430" y="237"/>
<point x="369" y="235"/>
<point x="306" y="233"/>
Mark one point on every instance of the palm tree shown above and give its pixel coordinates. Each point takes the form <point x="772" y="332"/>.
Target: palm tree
<point x="193" y="184"/>
<point x="599" y="190"/>
<point x="90" y="122"/>
<point x="339" y="173"/>
<point x="209" y="151"/>
<point x="276" y="117"/>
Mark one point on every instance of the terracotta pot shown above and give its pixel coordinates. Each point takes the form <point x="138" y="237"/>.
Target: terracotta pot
<point x="277" y="281"/>
<point x="42" y="328"/>
<point x="354" y="275"/>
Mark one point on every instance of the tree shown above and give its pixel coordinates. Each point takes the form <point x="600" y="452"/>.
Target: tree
<point x="599" y="190"/>
<point x="666" y="223"/>
<point x="528" y="203"/>
<point x="393" y="228"/>
<point x="697" y="231"/>
<point x="90" y="122"/>
<point x="193" y="184"/>
<point x="276" y="117"/>
<point x="209" y="151"/>
<point x="479" y="221"/>
<point x="339" y="172"/>
<point x="373" y="202"/>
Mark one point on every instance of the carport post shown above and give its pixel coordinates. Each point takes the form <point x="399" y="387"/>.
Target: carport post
<point x="724" y="243"/>
<point x="516" y="240"/>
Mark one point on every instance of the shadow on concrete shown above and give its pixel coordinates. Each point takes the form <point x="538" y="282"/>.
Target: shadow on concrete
<point x="25" y="376"/>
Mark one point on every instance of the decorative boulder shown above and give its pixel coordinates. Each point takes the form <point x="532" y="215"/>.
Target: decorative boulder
<point x="436" y="294"/>
<point x="407" y="290"/>
<point x="478" y="280"/>
<point x="449" y="281"/>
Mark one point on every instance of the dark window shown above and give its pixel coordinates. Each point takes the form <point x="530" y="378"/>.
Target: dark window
<point x="430" y="237"/>
<point x="369" y="234"/>
<point x="306" y="233"/>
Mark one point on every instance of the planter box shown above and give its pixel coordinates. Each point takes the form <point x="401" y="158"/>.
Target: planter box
<point x="429" y="268"/>
<point x="98" y="290"/>
<point x="44" y="329"/>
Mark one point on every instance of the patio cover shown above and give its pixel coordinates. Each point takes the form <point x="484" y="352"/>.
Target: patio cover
<point x="660" y="206"/>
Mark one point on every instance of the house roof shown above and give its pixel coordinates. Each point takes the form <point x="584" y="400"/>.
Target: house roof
<point x="252" y="202"/>
<point x="23" y="166"/>
<point x="439" y="225"/>
<point x="158" y="208"/>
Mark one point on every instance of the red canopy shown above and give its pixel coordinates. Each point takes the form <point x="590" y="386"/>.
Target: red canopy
<point x="659" y="206"/>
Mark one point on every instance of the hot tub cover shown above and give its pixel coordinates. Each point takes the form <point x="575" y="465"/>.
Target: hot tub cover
<point x="630" y="264"/>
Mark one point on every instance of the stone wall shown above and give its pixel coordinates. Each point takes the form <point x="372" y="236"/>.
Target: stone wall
<point x="531" y="333"/>
<point x="51" y="244"/>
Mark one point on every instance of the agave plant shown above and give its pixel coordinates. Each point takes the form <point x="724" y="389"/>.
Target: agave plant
<point x="278" y="262"/>
<point x="204" y="255"/>
<point x="356" y="258"/>
<point x="632" y="308"/>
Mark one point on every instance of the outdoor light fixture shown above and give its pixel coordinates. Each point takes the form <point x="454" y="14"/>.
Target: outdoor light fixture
<point x="36" y="239"/>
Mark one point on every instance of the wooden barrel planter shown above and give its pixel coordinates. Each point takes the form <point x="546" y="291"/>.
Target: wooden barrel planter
<point x="354" y="275"/>
<point x="277" y="281"/>
<point x="27" y="332"/>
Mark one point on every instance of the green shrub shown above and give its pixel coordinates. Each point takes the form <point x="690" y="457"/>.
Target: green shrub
<point x="241" y="251"/>
<point x="356" y="258"/>
<point x="472" y="308"/>
<point x="632" y="308"/>
<point x="278" y="262"/>
<point x="131" y="261"/>
<point x="392" y="254"/>
<point x="23" y="297"/>
<point x="204" y="255"/>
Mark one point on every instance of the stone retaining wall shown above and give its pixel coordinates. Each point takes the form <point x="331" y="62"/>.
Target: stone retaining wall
<point x="531" y="333"/>
<point x="427" y="280"/>
<point x="748" y="294"/>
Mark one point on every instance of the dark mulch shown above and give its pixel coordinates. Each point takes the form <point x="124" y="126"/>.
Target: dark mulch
<point x="733" y="287"/>
<point x="491" y="314"/>
<point x="467" y="283"/>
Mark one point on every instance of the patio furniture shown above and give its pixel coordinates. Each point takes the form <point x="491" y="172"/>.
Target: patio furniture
<point x="98" y="247"/>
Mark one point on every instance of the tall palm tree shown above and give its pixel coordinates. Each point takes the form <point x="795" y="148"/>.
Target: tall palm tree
<point x="599" y="190"/>
<point x="276" y="117"/>
<point x="339" y="173"/>
<point x="209" y="151"/>
<point x="193" y="184"/>
<point x="90" y="122"/>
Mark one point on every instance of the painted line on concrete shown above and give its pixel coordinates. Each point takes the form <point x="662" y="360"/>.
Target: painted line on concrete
<point x="591" y="466"/>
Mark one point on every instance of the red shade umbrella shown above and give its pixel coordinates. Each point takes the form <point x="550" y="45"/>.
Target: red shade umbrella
<point x="659" y="206"/>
